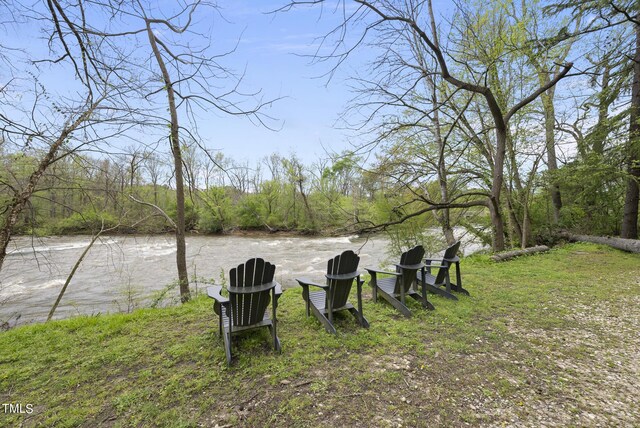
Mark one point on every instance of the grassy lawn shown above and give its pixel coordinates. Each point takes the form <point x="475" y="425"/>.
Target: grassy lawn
<point x="547" y="340"/>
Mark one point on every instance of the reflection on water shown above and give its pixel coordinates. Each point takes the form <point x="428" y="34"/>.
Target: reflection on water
<point x="121" y="270"/>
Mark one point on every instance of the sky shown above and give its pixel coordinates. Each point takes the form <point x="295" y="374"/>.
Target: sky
<point x="271" y="51"/>
<point x="274" y="49"/>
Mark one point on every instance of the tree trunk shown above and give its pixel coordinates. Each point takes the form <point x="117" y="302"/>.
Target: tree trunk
<point x="496" y="186"/>
<point x="515" y="199"/>
<point x="73" y="272"/>
<point x="306" y="204"/>
<point x="514" y="228"/>
<point x="444" y="217"/>
<point x="630" y="245"/>
<point x="552" y="160"/>
<point x="516" y="253"/>
<point x="20" y="199"/>
<point x="181" y="253"/>
<point x="497" y="241"/>
<point x="629" y="228"/>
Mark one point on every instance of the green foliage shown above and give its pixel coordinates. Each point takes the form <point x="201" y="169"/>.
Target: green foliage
<point x="190" y="214"/>
<point x="215" y="211"/>
<point x="90" y="221"/>
<point x="592" y="195"/>
<point x="342" y="198"/>
<point x="250" y="212"/>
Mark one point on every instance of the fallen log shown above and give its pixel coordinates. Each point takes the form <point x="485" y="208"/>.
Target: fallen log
<point x="516" y="253"/>
<point x="630" y="245"/>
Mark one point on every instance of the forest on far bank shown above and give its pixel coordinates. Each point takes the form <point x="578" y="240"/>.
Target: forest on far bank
<point x="512" y="119"/>
<point x="131" y="193"/>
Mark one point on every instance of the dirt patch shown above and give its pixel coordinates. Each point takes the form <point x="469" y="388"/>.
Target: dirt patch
<point x="586" y="373"/>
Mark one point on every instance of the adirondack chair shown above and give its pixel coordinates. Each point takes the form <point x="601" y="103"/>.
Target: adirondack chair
<point x="332" y="298"/>
<point x="441" y="283"/>
<point x="251" y="288"/>
<point x="402" y="283"/>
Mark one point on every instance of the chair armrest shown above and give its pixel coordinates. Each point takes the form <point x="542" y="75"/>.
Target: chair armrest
<point x="215" y="293"/>
<point x="416" y="266"/>
<point x="441" y="266"/>
<point x="382" y="271"/>
<point x="278" y="289"/>
<point x="342" y="276"/>
<point x="305" y="282"/>
<point x="252" y="289"/>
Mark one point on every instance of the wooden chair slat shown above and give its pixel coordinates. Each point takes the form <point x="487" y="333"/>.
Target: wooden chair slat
<point x="397" y="288"/>
<point x="248" y="309"/>
<point x="341" y="273"/>
<point x="441" y="283"/>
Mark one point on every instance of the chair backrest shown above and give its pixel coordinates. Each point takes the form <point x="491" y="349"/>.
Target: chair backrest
<point x="410" y="263"/>
<point x="449" y="254"/>
<point x="345" y="263"/>
<point x="249" y="309"/>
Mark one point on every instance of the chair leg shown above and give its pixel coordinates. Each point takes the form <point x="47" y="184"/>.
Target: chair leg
<point x="329" y="305"/>
<point x="448" y="281"/>
<point x="226" y="336"/>
<point x="276" y="340"/>
<point x="274" y="322"/>
<point x="277" y="345"/>
<point x="305" y="296"/>
<point x="396" y="304"/>
<point x="458" y="286"/>
<point x="359" y="288"/>
<point x="362" y="321"/>
<point x="328" y="325"/>
<point x="374" y="287"/>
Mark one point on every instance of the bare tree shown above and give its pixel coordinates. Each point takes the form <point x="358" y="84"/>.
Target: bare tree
<point x="187" y="72"/>
<point x="154" y="167"/>
<point x="21" y="197"/>
<point x="403" y="20"/>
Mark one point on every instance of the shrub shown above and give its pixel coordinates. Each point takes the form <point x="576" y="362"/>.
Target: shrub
<point x="89" y="221"/>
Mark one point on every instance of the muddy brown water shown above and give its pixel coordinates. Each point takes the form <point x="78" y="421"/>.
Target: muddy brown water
<point x="123" y="272"/>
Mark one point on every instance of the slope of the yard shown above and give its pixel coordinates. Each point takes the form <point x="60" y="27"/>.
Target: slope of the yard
<point x="546" y="340"/>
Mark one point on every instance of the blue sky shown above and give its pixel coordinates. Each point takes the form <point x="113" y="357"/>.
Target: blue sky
<point x="275" y="49"/>
<point x="270" y="52"/>
<point x="272" y="49"/>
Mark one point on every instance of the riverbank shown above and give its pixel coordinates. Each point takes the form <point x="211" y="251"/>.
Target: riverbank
<point x="550" y="340"/>
<point x="236" y="231"/>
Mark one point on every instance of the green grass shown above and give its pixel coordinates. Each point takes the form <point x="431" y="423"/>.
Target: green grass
<point x="537" y="341"/>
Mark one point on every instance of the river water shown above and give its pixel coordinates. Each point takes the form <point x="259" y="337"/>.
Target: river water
<point x="124" y="272"/>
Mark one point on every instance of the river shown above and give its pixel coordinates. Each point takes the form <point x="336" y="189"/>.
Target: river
<point x="121" y="273"/>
